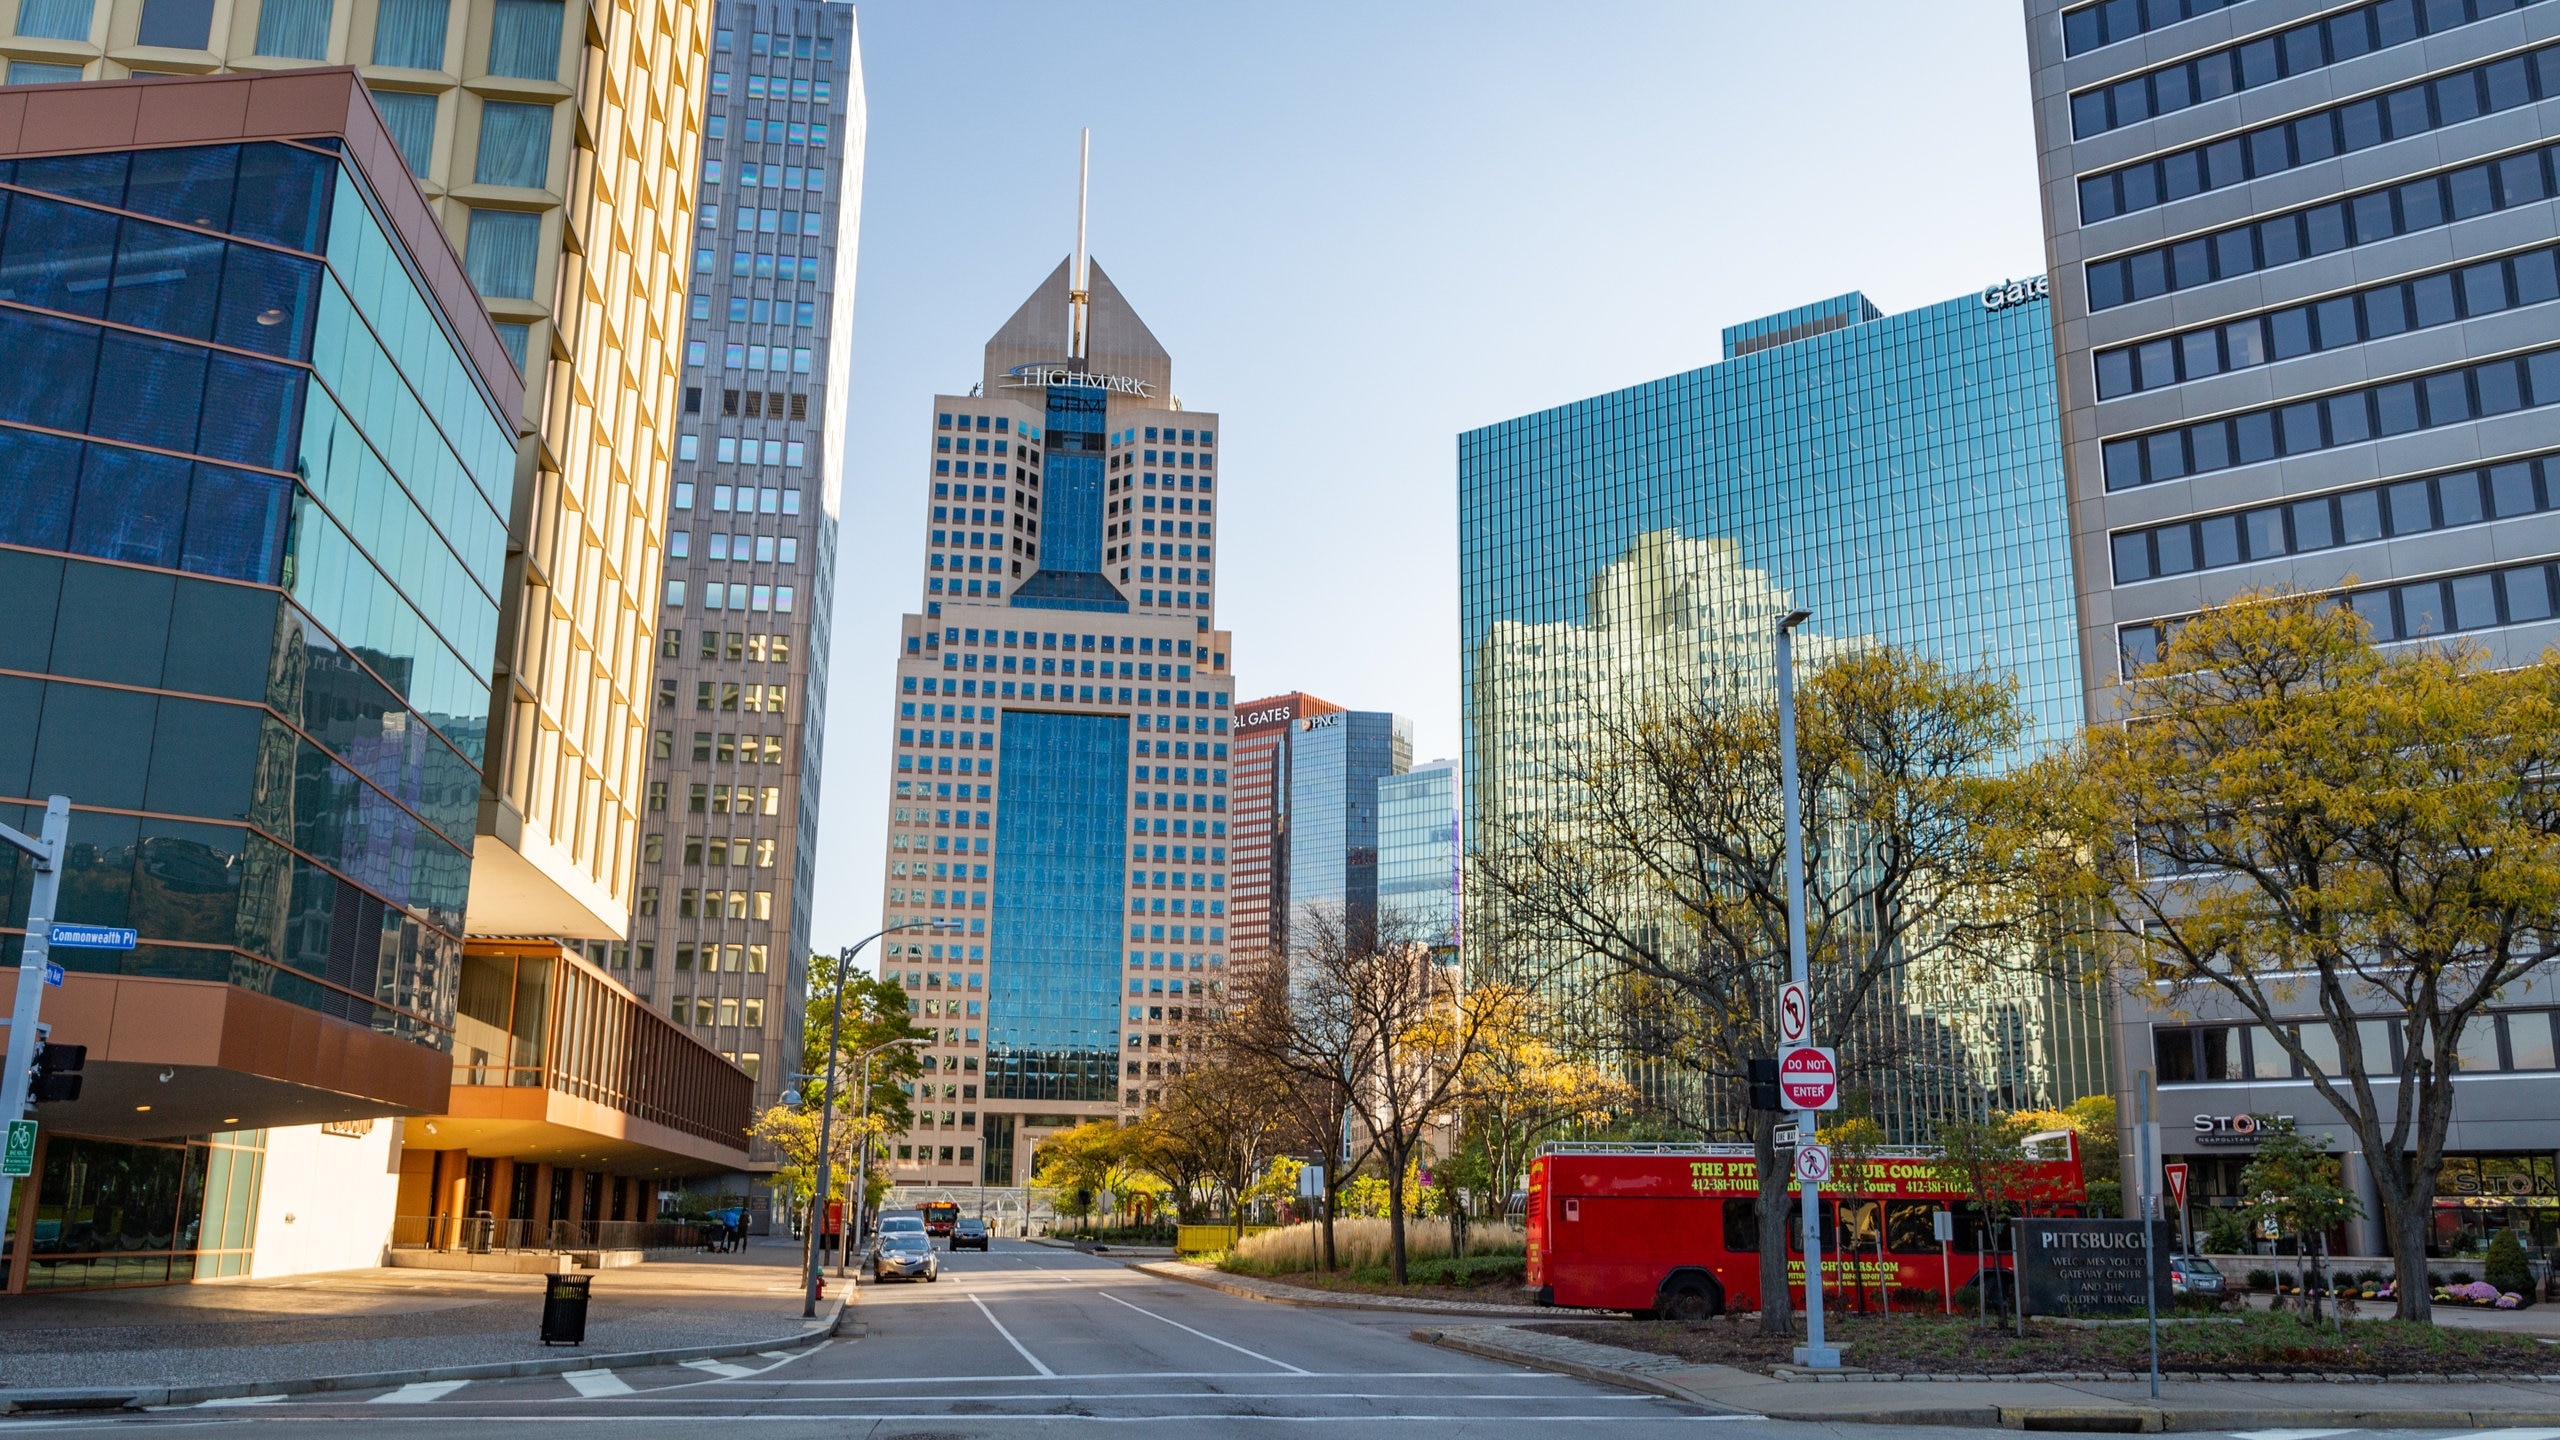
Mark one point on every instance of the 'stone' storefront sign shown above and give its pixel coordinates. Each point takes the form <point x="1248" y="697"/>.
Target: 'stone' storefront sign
<point x="2245" y="1128"/>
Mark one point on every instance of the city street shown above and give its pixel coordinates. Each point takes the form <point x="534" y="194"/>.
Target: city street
<point x="1029" y="1341"/>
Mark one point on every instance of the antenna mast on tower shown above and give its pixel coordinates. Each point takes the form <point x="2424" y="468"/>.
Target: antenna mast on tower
<point x="1079" y="288"/>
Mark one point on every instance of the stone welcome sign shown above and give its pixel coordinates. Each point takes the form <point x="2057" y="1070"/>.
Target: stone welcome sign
<point x="2091" y="1267"/>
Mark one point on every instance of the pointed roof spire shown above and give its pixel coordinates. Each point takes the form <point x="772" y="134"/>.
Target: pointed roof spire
<point x="1080" y="293"/>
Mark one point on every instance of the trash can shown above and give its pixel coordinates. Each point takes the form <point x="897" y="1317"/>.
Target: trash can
<point x="564" y="1309"/>
<point x="484" y="1232"/>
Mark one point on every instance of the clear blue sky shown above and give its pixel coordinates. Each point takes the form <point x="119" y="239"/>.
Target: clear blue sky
<point x="1361" y="229"/>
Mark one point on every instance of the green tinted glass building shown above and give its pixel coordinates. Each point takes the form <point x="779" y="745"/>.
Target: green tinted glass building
<point x="1899" y="476"/>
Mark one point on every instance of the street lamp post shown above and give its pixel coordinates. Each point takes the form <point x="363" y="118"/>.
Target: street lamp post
<point x="827" y="1115"/>
<point x="861" y="1197"/>
<point x="1814" y="1352"/>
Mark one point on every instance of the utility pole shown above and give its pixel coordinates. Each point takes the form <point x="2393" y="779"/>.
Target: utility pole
<point x="1813" y="1352"/>
<point x="827" y="1114"/>
<point x="33" y="961"/>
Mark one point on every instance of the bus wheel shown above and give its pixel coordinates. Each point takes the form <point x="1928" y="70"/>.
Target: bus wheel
<point x="1689" y="1302"/>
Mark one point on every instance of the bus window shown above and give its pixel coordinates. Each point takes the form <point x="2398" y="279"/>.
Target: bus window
<point x="1795" y="1222"/>
<point x="1909" y="1227"/>
<point x="1742" y="1226"/>
<point x="1857" y="1227"/>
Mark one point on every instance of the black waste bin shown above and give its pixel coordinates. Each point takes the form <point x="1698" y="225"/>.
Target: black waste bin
<point x="564" y="1309"/>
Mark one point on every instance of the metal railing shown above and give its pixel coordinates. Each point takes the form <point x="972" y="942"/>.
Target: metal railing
<point x="487" y="1235"/>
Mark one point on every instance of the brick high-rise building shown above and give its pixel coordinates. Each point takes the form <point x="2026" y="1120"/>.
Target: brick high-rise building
<point x="1258" y="866"/>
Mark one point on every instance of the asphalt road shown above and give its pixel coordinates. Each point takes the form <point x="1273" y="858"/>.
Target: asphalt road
<point x="1028" y="1342"/>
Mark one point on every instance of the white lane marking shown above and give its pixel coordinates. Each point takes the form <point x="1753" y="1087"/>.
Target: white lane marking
<point x="230" y="1400"/>
<point x="419" y="1393"/>
<point x="1203" y="1334"/>
<point x="1193" y="1375"/>
<point x="720" y="1368"/>
<point x="2284" y="1434"/>
<point x="1008" y="1338"/>
<point x="1038" y="1418"/>
<point x="2512" y="1435"/>
<point x="595" y="1384"/>
<point x="775" y="1354"/>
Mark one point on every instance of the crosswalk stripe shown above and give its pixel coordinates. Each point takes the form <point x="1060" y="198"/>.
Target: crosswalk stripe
<point x="595" y="1384"/>
<point x="718" y="1367"/>
<point x="2284" y="1434"/>
<point x="419" y="1393"/>
<point x="239" y="1400"/>
<point x="2513" y="1435"/>
<point x="775" y="1354"/>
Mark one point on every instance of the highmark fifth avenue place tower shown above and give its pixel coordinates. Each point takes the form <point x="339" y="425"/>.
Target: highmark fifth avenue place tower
<point x="1059" y="797"/>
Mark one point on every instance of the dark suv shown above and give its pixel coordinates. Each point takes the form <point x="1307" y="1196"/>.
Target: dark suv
<point x="970" y="1234"/>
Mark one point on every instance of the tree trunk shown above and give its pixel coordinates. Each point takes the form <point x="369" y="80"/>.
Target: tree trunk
<point x="1777" y="1315"/>
<point x="2408" y="1225"/>
<point x="1395" y="1216"/>
<point x="1332" y="1185"/>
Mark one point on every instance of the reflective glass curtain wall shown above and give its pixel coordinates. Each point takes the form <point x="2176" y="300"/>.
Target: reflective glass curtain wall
<point x="287" y="669"/>
<point x="1053" y="970"/>
<point x="1899" y="476"/>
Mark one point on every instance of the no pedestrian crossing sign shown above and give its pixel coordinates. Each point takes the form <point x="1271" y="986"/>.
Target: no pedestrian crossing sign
<point x="1813" y="1163"/>
<point x="18" y="1154"/>
<point x="1809" y="1079"/>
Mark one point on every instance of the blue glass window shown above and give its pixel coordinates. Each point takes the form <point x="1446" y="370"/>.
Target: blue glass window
<point x="1059" y="882"/>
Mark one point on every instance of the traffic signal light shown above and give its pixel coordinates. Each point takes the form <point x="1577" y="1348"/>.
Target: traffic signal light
<point x="56" y="1074"/>
<point x="1763" y="1072"/>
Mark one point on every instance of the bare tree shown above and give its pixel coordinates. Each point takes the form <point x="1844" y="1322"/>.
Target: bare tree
<point x="1653" y="878"/>
<point x="1366" y="1015"/>
<point x="1217" y="1129"/>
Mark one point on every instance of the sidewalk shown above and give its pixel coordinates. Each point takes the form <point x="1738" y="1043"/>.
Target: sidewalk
<point x="324" y="1331"/>
<point x="2112" y="1404"/>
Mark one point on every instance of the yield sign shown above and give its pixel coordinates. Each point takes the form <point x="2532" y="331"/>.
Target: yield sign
<point x="1809" y="1079"/>
<point x="2177" y="1177"/>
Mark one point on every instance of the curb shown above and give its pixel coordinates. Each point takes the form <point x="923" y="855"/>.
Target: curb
<point x="2128" y="1417"/>
<point x="143" y="1397"/>
<point x="1625" y="1379"/>
<point x="1318" y="1300"/>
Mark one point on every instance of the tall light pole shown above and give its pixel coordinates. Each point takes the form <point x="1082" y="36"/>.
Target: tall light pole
<point x="861" y="1195"/>
<point x="827" y="1116"/>
<point x="1814" y="1352"/>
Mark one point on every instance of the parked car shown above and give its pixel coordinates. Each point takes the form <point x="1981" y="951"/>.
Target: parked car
<point x="969" y="1234"/>
<point x="2195" y="1275"/>
<point x="906" y="1255"/>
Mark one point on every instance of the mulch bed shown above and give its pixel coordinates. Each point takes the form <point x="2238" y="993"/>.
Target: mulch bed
<point x="2257" y="1343"/>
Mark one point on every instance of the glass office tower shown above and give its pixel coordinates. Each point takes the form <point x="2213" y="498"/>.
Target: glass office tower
<point x="720" y="937"/>
<point x="2303" y="281"/>
<point x="1418" y="855"/>
<point x="1258" y="862"/>
<point x="1336" y="761"/>
<point x="259" y="449"/>
<point x="1899" y="476"/>
<point x="1060" y="771"/>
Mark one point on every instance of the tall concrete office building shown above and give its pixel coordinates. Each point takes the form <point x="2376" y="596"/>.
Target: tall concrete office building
<point x="721" y="937"/>
<point x="1060" y="777"/>
<point x="1258" y="864"/>
<point x="2302" y="270"/>
<point x="1633" y="546"/>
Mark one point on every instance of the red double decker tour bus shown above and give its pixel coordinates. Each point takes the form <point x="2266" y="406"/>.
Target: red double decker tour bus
<point x="1675" y="1229"/>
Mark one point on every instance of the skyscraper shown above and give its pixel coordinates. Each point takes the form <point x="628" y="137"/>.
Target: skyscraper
<point x="556" y="142"/>
<point x="1258" y="865"/>
<point x="1418" y="855"/>
<point x="2302" y="273"/>
<point x="1059" y="780"/>
<point x="721" y="937"/>
<point x="1899" y="476"/>
<point x="2303" y="281"/>
<point x="1336" y="761"/>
